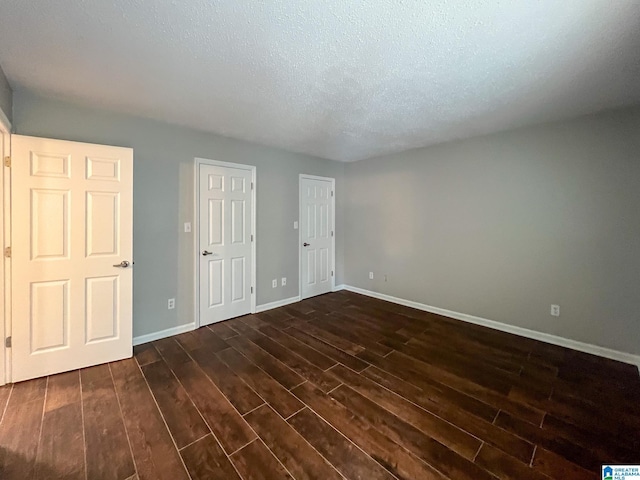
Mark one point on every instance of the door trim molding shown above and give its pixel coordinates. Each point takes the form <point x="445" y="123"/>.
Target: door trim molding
<point x="333" y="229"/>
<point x="196" y="237"/>
<point x="5" y="268"/>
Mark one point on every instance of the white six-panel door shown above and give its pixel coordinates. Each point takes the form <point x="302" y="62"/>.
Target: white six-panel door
<point x="71" y="247"/>
<point x="225" y="253"/>
<point x="316" y="235"/>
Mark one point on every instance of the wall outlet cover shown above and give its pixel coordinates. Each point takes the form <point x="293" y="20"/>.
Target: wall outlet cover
<point x="274" y="283"/>
<point x="283" y="281"/>
<point x="171" y="304"/>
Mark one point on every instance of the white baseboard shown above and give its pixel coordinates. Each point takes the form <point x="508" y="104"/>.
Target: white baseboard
<point x="278" y="303"/>
<point x="169" y="332"/>
<point x="523" y="332"/>
<point x="337" y="288"/>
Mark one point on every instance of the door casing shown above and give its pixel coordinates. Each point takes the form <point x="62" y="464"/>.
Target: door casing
<point x="333" y="229"/>
<point x="196" y="230"/>
<point x="5" y="265"/>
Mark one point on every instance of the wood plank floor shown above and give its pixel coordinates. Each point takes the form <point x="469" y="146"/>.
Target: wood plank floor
<point x="340" y="386"/>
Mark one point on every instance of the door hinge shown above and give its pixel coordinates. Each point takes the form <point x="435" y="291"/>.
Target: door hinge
<point x="7" y="342"/>
<point x="251" y="289"/>
<point x="7" y="252"/>
<point x="7" y="161"/>
<point x="332" y="193"/>
<point x="332" y="233"/>
<point x="251" y="185"/>
<point x="252" y="238"/>
<point x="332" y="273"/>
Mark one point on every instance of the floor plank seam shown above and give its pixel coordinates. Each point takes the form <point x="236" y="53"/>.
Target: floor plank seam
<point x="166" y="425"/>
<point x="478" y="452"/>
<point x="259" y="439"/>
<point x="350" y="441"/>
<point x="240" y="448"/>
<point x="314" y="448"/>
<point x="216" y="385"/>
<point x="84" y="435"/>
<point x="44" y="406"/>
<point x="434" y="414"/>
<point x="304" y="405"/>
<point x="195" y="441"/>
<point x="533" y="455"/>
<point x="543" y="419"/>
<point x="4" y="410"/>
<point x="496" y="417"/>
<point x="334" y="388"/>
<point x="253" y="409"/>
<point x="295" y="386"/>
<point x="124" y="424"/>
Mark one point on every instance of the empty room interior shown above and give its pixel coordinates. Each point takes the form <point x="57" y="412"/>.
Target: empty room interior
<point x="335" y="239"/>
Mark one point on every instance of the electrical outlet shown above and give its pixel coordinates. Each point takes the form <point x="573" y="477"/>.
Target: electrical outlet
<point x="284" y="281"/>
<point x="295" y="225"/>
<point x="370" y="275"/>
<point x="555" y="310"/>
<point x="274" y="283"/>
<point x="171" y="304"/>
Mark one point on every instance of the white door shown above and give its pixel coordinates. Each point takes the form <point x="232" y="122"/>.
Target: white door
<point x="316" y="235"/>
<point x="225" y="238"/>
<point x="72" y="242"/>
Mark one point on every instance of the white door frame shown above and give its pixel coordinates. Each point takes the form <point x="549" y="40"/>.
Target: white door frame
<point x="5" y="264"/>
<point x="333" y="229"/>
<point x="196" y="236"/>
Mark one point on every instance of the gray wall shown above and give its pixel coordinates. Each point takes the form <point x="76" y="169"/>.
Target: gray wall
<point x="164" y="199"/>
<point x="503" y="226"/>
<point x="6" y="96"/>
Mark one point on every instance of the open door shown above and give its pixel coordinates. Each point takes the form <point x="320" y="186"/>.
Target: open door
<point x="71" y="254"/>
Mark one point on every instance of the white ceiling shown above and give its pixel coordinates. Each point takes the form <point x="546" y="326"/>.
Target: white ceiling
<point x="340" y="79"/>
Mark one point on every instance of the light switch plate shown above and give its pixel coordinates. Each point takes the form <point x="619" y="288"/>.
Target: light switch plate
<point x="295" y="225"/>
<point x="187" y="227"/>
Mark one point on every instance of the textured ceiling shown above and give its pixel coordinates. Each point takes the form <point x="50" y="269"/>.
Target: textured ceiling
<point x="339" y="79"/>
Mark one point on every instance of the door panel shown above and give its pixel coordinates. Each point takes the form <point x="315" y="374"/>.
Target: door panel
<point x="225" y="249"/>
<point x="71" y="224"/>
<point x="103" y="225"/>
<point x="50" y="315"/>
<point x="316" y="223"/>
<point x="102" y="308"/>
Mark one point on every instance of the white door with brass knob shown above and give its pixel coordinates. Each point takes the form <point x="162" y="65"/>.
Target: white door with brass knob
<point x="225" y="242"/>
<point x="71" y="255"/>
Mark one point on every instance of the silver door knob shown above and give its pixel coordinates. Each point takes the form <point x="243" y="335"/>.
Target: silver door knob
<point x="122" y="264"/>
<point x="205" y="253"/>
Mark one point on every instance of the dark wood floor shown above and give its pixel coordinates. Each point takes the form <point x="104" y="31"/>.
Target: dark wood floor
<point x="339" y="386"/>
